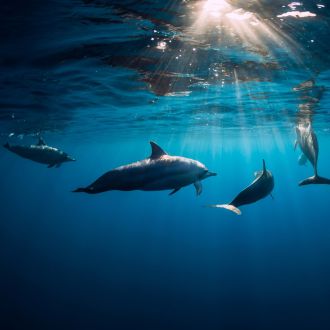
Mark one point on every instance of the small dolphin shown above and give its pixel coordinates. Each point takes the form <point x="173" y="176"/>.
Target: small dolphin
<point x="307" y="140"/>
<point x="261" y="187"/>
<point x="158" y="172"/>
<point x="41" y="153"/>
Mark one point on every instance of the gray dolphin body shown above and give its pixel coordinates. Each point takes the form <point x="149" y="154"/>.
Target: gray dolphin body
<point x="41" y="153"/>
<point x="158" y="172"/>
<point x="261" y="187"/>
<point x="307" y="140"/>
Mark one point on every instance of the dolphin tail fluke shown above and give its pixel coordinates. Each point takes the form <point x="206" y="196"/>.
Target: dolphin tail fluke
<point x="227" y="207"/>
<point x="6" y="145"/>
<point x="314" y="180"/>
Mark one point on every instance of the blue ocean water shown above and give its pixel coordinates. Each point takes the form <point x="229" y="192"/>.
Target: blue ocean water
<point x="221" y="82"/>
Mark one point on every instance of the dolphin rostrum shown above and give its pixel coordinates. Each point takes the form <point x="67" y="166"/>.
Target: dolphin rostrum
<point x="261" y="187"/>
<point x="158" y="172"/>
<point x="307" y="141"/>
<point x="41" y="153"/>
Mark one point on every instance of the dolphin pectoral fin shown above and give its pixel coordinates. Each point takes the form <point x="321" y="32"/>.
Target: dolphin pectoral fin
<point x="51" y="165"/>
<point x="174" y="191"/>
<point x="227" y="207"/>
<point x="295" y="145"/>
<point x="302" y="160"/>
<point x="199" y="187"/>
<point x="271" y="195"/>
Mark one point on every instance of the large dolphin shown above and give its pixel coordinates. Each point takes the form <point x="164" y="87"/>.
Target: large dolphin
<point x="158" y="172"/>
<point x="41" y="153"/>
<point x="261" y="187"/>
<point x="307" y="141"/>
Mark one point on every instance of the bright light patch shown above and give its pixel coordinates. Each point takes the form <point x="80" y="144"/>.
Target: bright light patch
<point x="240" y="15"/>
<point x="218" y="14"/>
<point x="215" y="8"/>
<point x="297" y="14"/>
<point x="222" y="20"/>
<point x="161" y="45"/>
<point x="294" y="5"/>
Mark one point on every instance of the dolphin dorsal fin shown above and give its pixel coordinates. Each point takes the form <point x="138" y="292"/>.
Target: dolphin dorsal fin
<point x="41" y="141"/>
<point x="264" y="166"/>
<point x="156" y="151"/>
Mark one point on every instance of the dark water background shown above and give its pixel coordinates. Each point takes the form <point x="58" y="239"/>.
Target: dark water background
<point x="100" y="79"/>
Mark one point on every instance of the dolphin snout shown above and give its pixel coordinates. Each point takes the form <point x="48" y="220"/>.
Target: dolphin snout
<point x="71" y="159"/>
<point x="208" y="173"/>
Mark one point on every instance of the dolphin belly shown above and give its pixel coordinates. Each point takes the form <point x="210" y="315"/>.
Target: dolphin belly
<point x="167" y="182"/>
<point x="308" y="142"/>
<point x="309" y="153"/>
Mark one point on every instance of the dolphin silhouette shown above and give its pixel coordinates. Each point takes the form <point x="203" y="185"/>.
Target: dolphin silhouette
<point x="158" y="172"/>
<point x="261" y="187"/>
<point x="307" y="141"/>
<point x="41" y="153"/>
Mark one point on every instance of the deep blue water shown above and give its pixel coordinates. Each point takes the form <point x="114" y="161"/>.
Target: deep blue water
<point x="223" y="83"/>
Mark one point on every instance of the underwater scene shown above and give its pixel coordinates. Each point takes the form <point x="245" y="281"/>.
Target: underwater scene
<point x="165" y="164"/>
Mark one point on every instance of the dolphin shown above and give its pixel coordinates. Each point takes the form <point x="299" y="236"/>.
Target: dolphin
<point x="160" y="171"/>
<point x="41" y="153"/>
<point x="261" y="187"/>
<point x="307" y="141"/>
